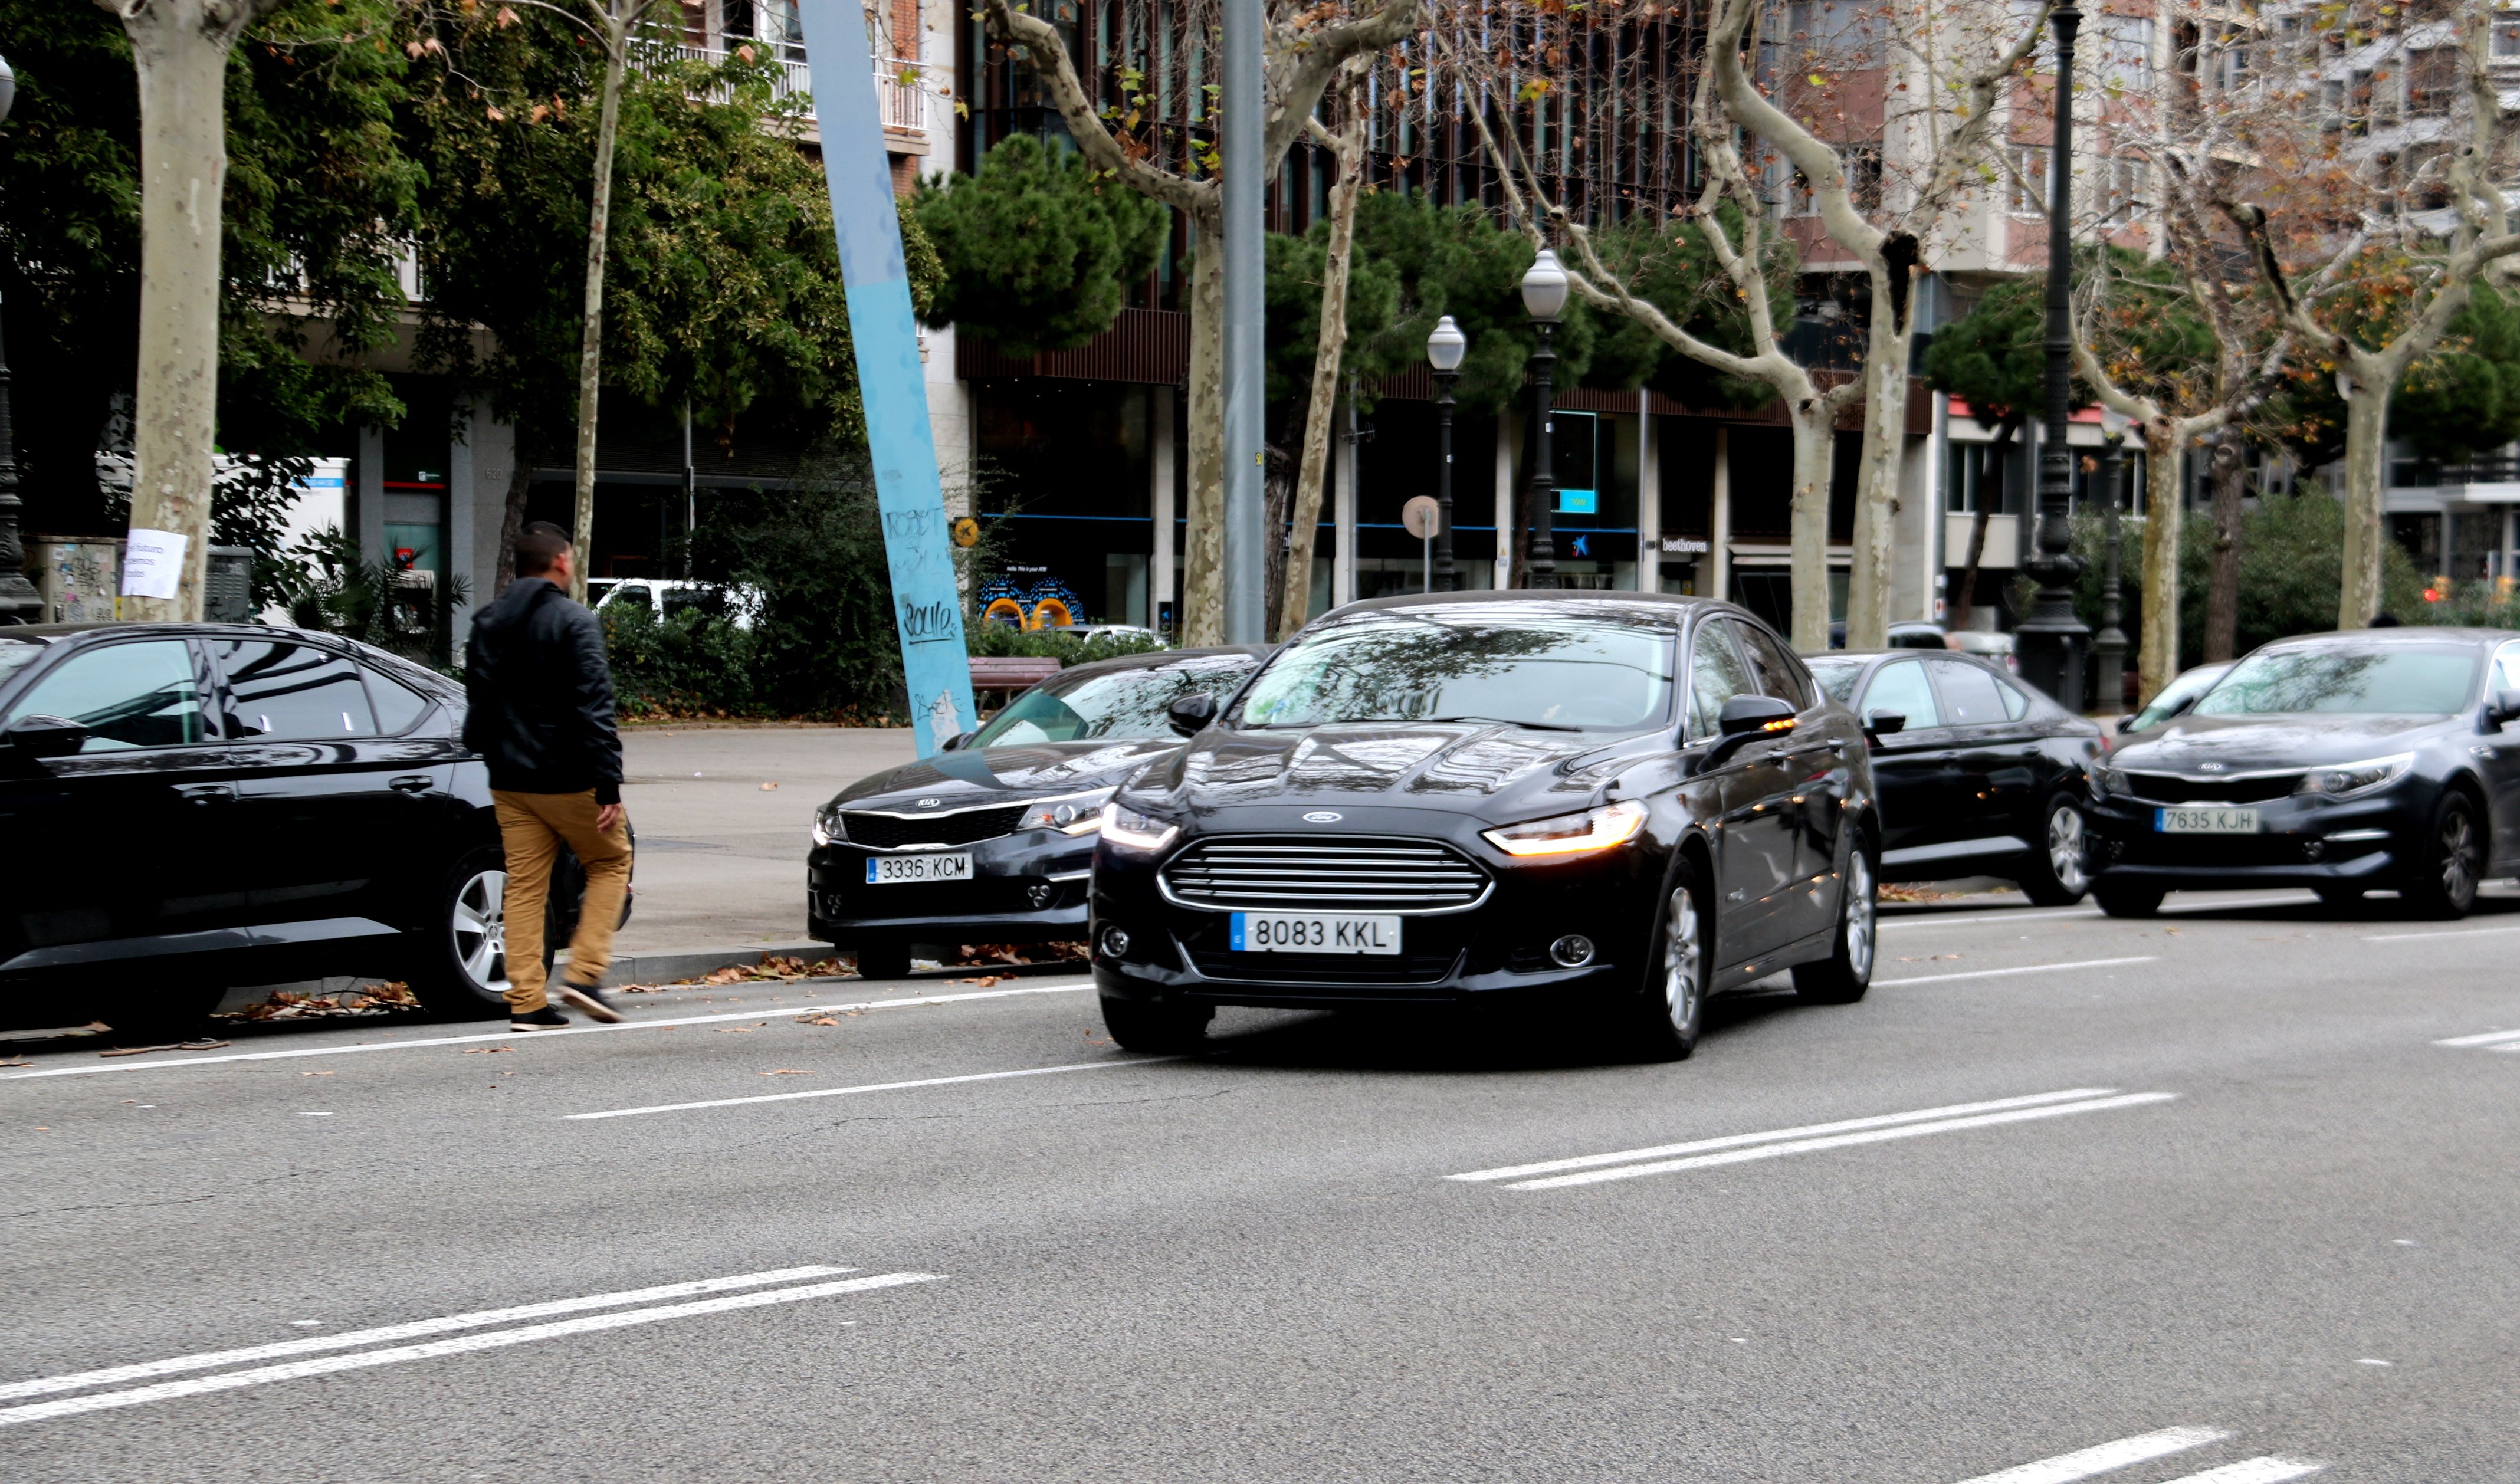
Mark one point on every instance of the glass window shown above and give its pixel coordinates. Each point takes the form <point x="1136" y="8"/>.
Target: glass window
<point x="1837" y="676"/>
<point x="291" y="693"/>
<point x="1971" y="697"/>
<point x="2505" y="676"/>
<point x="2398" y="680"/>
<point x="1776" y="673"/>
<point x="1509" y="660"/>
<point x="1902" y="687"/>
<point x="397" y="704"/>
<point x="126" y="695"/>
<point x="16" y="655"/>
<point x="1715" y="674"/>
<point x="1111" y="704"/>
<point x="2016" y="702"/>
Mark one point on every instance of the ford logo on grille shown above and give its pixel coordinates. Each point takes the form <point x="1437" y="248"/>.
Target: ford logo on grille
<point x="1324" y="817"/>
<point x="929" y="804"/>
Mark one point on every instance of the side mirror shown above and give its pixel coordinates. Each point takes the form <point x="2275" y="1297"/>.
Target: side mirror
<point x="1746" y="714"/>
<point x="956" y="742"/>
<point x="1883" y="723"/>
<point x="44" y="737"/>
<point x="2504" y="708"/>
<point x="1191" y="712"/>
<point x="2126" y="723"/>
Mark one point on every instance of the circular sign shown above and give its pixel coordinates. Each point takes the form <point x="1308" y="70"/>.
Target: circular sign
<point x="1422" y="515"/>
<point x="966" y="532"/>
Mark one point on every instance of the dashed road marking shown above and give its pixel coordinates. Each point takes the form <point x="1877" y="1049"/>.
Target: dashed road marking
<point x="2125" y="1453"/>
<point x="2492" y="1041"/>
<point x="2026" y="969"/>
<point x="871" y="1087"/>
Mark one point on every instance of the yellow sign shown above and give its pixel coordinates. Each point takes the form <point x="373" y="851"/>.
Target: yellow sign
<point x="966" y="532"/>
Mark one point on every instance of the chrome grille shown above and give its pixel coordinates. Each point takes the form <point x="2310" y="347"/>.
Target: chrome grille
<point x="2172" y="789"/>
<point x="962" y="826"/>
<point x="1311" y="872"/>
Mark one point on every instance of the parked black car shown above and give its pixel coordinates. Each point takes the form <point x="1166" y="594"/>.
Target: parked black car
<point x="194" y="806"/>
<point x="991" y="840"/>
<point x="2378" y="759"/>
<point x="1979" y="773"/>
<point x="1598" y="804"/>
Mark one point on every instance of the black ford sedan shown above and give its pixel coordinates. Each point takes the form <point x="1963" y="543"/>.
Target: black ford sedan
<point x="1603" y="804"/>
<point x="991" y="839"/>
<point x="2379" y="759"/>
<point x="1979" y="773"/>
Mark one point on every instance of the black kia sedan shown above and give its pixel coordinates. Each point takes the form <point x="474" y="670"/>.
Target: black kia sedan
<point x="2380" y="759"/>
<point x="1979" y="773"/>
<point x="992" y="840"/>
<point x="194" y="806"/>
<point x="1598" y="804"/>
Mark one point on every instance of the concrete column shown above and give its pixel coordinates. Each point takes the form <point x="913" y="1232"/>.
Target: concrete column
<point x="462" y="498"/>
<point x="1648" y="499"/>
<point x="1504" y="499"/>
<point x="2449" y="564"/>
<point x="1343" y="511"/>
<point x="371" y="517"/>
<point x="1160" y="442"/>
<point x="1719" y="522"/>
<point x="1932" y="560"/>
<point x="494" y="464"/>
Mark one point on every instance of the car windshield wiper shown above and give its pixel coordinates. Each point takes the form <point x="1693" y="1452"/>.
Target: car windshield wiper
<point x="1537" y="726"/>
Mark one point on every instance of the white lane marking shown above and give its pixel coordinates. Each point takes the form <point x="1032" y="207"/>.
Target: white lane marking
<point x="2066" y="1467"/>
<point x="1839" y="1141"/>
<point x="231" y="1381"/>
<point x="1773" y="1135"/>
<point x="2441" y="933"/>
<point x="2252" y="1471"/>
<point x="1937" y="919"/>
<point x="2483" y="1037"/>
<point x="872" y="1087"/>
<point x="2027" y="968"/>
<point x="1057" y="987"/>
<point x="81" y="1381"/>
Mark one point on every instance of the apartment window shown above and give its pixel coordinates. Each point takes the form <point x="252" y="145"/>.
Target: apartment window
<point x="2506" y="37"/>
<point x="1862" y="165"/>
<point x="2432" y="80"/>
<point x="2027" y="187"/>
<point x="2126" y="53"/>
<point x="2129" y="185"/>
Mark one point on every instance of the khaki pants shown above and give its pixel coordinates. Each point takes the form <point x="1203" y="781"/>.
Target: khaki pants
<point x="532" y="825"/>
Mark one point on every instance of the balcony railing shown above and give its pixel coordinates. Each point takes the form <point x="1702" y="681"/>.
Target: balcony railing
<point x="2411" y="474"/>
<point x="898" y="88"/>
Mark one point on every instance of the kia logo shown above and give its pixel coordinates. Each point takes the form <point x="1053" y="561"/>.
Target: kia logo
<point x="1324" y="817"/>
<point x="2209" y="767"/>
<point x="929" y="804"/>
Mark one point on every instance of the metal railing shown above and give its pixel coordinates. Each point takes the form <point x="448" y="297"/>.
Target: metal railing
<point x="898" y="84"/>
<point x="2414" y="473"/>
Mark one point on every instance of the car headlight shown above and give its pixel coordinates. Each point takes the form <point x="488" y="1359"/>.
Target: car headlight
<point x="2106" y="780"/>
<point x="1068" y="813"/>
<point x="2356" y="778"/>
<point x="1571" y="833"/>
<point x="828" y="827"/>
<point x="1129" y="830"/>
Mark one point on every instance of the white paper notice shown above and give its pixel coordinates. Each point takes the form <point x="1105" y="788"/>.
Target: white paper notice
<point x="153" y="563"/>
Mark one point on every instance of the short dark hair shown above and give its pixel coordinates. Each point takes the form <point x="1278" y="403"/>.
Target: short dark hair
<point x="538" y="546"/>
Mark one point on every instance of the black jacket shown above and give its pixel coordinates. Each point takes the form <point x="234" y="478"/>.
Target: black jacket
<point x="541" y="694"/>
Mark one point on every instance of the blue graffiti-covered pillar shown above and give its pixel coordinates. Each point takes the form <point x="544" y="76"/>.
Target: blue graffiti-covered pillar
<point x="917" y="547"/>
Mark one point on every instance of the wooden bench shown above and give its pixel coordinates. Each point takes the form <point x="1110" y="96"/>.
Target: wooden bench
<point x="1010" y="673"/>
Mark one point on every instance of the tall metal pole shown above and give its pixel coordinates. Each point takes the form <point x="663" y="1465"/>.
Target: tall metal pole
<point x="19" y="603"/>
<point x="1245" y="553"/>
<point x="1444" y="577"/>
<point x="2052" y="639"/>
<point x="2108" y="651"/>
<point x="1544" y="463"/>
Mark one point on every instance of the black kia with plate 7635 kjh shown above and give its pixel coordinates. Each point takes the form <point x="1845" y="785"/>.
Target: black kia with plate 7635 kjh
<point x="2379" y="759"/>
<point x="1601" y="805"/>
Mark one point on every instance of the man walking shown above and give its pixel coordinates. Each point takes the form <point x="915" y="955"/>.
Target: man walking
<point x="541" y="716"/>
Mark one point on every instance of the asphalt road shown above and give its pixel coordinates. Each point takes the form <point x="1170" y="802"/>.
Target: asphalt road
<point x="2203" y="1199"/>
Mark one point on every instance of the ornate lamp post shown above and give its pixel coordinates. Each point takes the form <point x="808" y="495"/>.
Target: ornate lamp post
<point x="19" y="603"/>
<point x="1544" y="297"/>
<point x="2052" y="638"/>
<point x="2108" y="649"/>
<point x="1445" y="348"/>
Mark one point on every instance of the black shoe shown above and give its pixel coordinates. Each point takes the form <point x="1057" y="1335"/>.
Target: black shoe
<point x="545" y="1018"/>
<point x="588" y="998"/>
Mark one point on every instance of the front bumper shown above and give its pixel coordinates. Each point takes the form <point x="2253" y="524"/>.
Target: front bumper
<point x="1029" y="887"/>
<point x="1493" y="952"/>
<point x="2301" y="842"/>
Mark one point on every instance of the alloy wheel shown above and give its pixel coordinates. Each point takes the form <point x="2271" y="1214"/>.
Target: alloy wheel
<point x="1681" y="955"/>
<point x="479" y="920"/>
<point x="2457" y="856"/>
<point x="1859" y="917"/>
<point x="2065" y="851"/>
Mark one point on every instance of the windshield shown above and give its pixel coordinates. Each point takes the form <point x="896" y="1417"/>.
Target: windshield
<point x="1524" y="663"/>
<point x="2396" y="681"/>
<point x="1839" y="676"/>
<point x="2176" y="696"/>
<point x="1113" y="704"/>
<point x="16" y="655"/>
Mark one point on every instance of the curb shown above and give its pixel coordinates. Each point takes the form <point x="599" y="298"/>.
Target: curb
<point x="659" y="965"/>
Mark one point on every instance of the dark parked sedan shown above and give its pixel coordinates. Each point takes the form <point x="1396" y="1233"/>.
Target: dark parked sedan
<point x="2378" y="759"/>
<point x="1598" y="804"/>
<point x="1979" y="773"/>
<point x="194" y="806"/>
<point x="991" y="840"/>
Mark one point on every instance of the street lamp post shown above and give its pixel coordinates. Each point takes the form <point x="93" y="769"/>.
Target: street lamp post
<point x="2108" y="649"/>
<point x="19" y="603"/>
<point x="1544" y="296"/>
<point x="1445" y="348"/>
<point x="2051" y="638"/>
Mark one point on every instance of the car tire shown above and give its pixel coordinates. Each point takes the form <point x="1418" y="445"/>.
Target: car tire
<point x="1846" y="974"/>
<point x="1137" y="1026"/>
<point x="884" y="961"/>
<point x="2128" y="901"/>
<point x="1670" y="1009"/>
<point x="459" y="959"/>
<point x="2448" y="863"/>
<point x="164" y="1014"/>
<point x="2060" y="873"/>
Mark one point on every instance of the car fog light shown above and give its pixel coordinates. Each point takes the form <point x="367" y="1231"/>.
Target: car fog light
<point x="1039" y="894"/>
<point x="1572" y="950"/>
<point x="2313" y="850"/>
<point x="1115" y="942"/>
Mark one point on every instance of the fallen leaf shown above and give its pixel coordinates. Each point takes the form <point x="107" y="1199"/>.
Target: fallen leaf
<point x="736" y="1030"/>
<point x="766" y="787"/>
<point x="787" y="1071"/>
<point x="17" y="1064"/>
<point x="134" y="1050"/>
<point x="818" y="1021"/>
<point x="319" y="1074"/>
<point x="487" y="1051"/>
